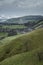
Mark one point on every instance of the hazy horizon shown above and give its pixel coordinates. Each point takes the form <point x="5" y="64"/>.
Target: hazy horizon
<point x="8" y="17"/>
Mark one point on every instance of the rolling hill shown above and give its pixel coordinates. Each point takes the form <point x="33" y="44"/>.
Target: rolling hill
<point x="22" y="24"/>
<point x="24" y="19"/>
<point x="26" y="49"/>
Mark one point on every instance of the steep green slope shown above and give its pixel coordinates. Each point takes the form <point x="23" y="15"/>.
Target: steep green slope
<point x="7" y="40"/>
<point x="23" y="49"/>
<point x="28" y="58"/>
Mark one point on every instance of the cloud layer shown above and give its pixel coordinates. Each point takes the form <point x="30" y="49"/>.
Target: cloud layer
<point x="22" y="3"/>
<point x="17" y="7"/>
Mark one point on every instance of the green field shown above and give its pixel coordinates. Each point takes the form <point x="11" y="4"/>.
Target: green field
<point x="13" y="26"/>
<point x="3" y="34"/>
<point x="26" y="49"/>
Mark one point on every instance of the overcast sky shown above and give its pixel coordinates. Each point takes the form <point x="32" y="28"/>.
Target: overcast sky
<point x="15" y="8"/>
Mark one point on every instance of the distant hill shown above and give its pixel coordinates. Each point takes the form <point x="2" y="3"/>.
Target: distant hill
<point x="28" y="21"/>
<point x="21" y="25"/>
<point x="24" y="19"/>
<point x="26" y="49"/>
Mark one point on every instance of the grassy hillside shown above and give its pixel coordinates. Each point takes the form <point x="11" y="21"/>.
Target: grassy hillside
<point x="26" y="49"/>
<point x="28" y="58"/>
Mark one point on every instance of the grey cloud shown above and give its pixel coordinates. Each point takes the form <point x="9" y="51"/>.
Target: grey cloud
<point x="29" y="3"/>
<point x="1" y="0"/>
<point x="21" y="6"/>
<point x="22" y="3"/>
<point x="6" y="2"/>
